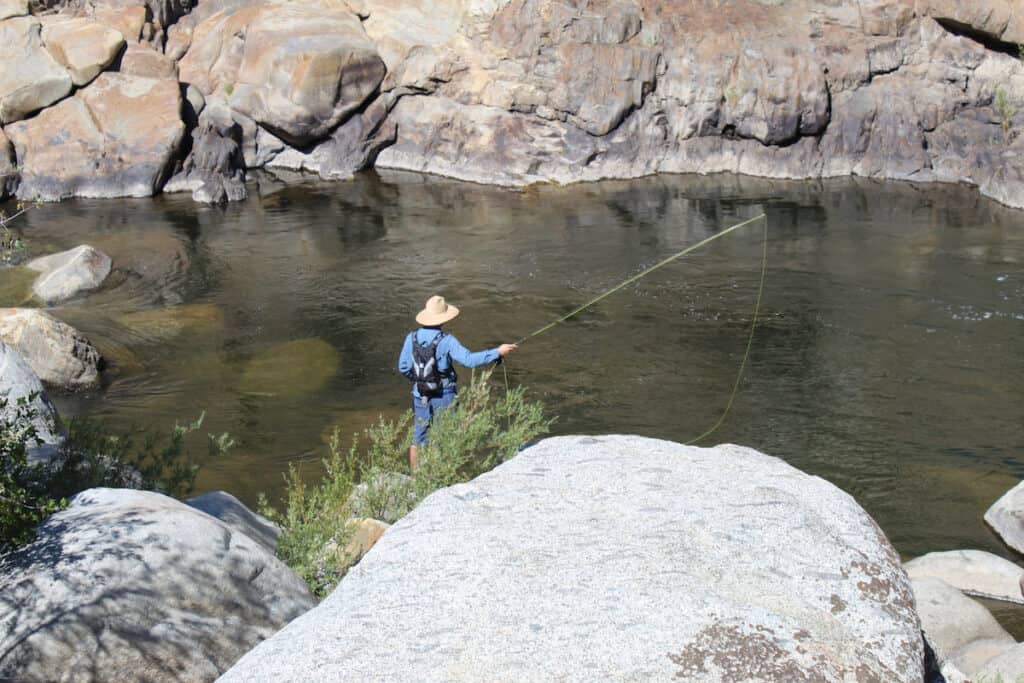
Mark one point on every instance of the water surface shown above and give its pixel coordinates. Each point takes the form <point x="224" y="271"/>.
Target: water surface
<point x="888" y="358"/>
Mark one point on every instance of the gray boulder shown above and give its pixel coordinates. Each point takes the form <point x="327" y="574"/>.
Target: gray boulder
<point x="1006" y="517"/>
<point x="31" y="79"/>
<point x="132" y="585"/>
<point x="214" y="170"/>
<point x="67" y="273"/>
<point x="960" y="630"/>
<point x="616" y="558"/>
<point x="228" y="509"/>
<point x="19" y="383"/>
<point x="1007" y="666"/>
<point x="974" y="572"/>
<point x="57" y="352"/>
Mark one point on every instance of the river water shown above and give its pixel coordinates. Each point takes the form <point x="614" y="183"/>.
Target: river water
<point x="889" y="356"/>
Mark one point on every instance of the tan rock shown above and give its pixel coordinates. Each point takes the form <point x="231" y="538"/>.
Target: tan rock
<point x="83" y="46"/>
<point x="973" y="571"/>
<point x="56" y="352"/>
<point x="65" y="274"/>
<point x="298" y="70"/>
<point x="139" y="60"/>
<point x="30" y="78"/>
<point x="115" y="138"/>
<point x="128" y="21"/>
<point x="13" y="8"/>
<point x="365" y="533"/>
<point x="1000" y="19"/>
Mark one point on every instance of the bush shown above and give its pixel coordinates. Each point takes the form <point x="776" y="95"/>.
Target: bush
<point x="90" y="456"/>
<point x="372" y="478"/>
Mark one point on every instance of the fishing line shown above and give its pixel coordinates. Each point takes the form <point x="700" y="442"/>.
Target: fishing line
<point x="661" y="264"/>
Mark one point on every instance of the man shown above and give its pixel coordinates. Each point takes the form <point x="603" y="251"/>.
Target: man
<point x="426" y="360"/>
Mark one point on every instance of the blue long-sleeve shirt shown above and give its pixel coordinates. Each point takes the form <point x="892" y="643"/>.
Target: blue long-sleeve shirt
<point x="448" y="349"/>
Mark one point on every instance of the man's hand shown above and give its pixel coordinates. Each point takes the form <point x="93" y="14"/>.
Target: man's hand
<point x="506" y="349"/>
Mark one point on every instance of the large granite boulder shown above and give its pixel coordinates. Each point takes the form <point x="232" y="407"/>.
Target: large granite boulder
<point x="31" y="78"/>
<point x="1006" y="517"/>
<point x="65" y="274"/>
<point x="616" y="558"/>
<point x="296" y="69"/>
<point x="58" y="354"/>
<point x="131" y="585"/>
<point x="19" y="384"/>
<point x="235" y="514"/>
<point x="974" y="572"/>
<point x="84" y="47"/>
<point x="116" y="137"/>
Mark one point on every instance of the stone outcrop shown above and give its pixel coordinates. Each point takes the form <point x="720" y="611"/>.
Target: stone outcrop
<point x="8" y="167"/>
<point x="139" y="60"/>
<point x="974" y="572"/>
<point x="131" y="585"/>
<point x="232" y="512"/>
<point x="13" y="8"/>
<point x="19" y="383"/>
<point x="961" y="632"/>
<point x="116" y="137"/>
<point x="84" y="47"/>
<point x="616" y="558"/>
<point x="214" y="170"/>
<point x="31" y="78"/>
<point x="58" y="354"/>
<point x="1006" y="517"/>
<point x="68" y="273"/>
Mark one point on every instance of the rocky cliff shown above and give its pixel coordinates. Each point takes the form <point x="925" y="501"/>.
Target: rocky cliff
<point x="116" y="97"/>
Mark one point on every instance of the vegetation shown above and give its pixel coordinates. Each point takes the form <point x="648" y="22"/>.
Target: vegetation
<point x="372" y="479"/>
<point x="11" y="244"/>
<point x="90" y="456"/>
<point x="1006" y="111"/>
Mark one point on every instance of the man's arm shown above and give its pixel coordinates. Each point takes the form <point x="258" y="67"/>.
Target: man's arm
<point x="405" y="358"/>
<point x="470" y="359"/>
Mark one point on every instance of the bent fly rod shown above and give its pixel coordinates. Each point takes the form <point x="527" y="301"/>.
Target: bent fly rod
<point x="663" y="263"/>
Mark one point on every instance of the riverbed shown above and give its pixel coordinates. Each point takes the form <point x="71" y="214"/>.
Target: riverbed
<point x="888" y="357"/>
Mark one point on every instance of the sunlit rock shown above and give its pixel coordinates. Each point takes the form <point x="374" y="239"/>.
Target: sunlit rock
<point x="57" y="352"/>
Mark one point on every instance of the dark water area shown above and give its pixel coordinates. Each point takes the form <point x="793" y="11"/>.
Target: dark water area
<point x="889" y="357"/>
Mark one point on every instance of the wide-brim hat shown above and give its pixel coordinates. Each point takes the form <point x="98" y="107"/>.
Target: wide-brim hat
<point x="436" y="312"/>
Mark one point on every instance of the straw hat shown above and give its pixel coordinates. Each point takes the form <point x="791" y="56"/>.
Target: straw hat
<point x="436" y="312"/>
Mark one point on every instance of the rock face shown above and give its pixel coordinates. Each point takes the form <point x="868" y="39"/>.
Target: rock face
<point x="58" y="354"/>
<point x="66" y="274"/>
<point x="228" y="509"/>
<point x="296" y="69"/>
<point x="1006" y="517"/>
<point x="18" y="382"/>
<point x="132" y="585"/>
<point x="116" y="137"/>
<point x="960" y="631"/>
<point x="972" y="571"/>
<point x="83" y="46"/>
<point x="616" y="558"/>
<point x="214" y="170"/>
<point x="31" y="79"/>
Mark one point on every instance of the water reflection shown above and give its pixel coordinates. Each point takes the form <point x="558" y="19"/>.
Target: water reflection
<point x="888" y="358"/>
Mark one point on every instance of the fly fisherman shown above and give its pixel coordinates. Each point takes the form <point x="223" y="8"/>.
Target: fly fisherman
<point x="426" y="360"/>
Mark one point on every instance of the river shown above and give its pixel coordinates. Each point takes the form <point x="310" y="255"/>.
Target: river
<point x="888" y="358"/>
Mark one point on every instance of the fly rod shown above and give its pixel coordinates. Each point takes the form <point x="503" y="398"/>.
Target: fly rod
<point x="670" y="259"/>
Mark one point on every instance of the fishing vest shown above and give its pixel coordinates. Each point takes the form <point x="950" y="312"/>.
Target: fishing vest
<point x="425" y="372"/>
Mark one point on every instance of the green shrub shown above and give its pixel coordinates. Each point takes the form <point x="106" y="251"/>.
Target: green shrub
<point x="371" y="478"/>
<point x="1006" y="111"/>
<point x="90" y="456"/>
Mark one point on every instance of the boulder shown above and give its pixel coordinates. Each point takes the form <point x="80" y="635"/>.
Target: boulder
<point x="696" y="563"/>
<point x="83" y="46"/>
<point x="1006" y="517"/>
<point x="13" y="8"/>
<point x="58" y="354"/>
<point x="290" y="370"/>
<point x="31" y="78"/>
<point x="117" y="137"/>
<point x="998" y="19"/>
<point x="214" y="170"/>
<point x="19" y="383"/>
<point x="974" y="572"/>
<point x="228" y="509"/>
<point x="956" y="626"/>
<point x="128" y="21"/>
<point x="296" y="69"/>
<point x="139" y="60"/>
<point x="133" y="585"/>
<point x="8" y="167"/>
<point x="1007" y="666"/>
<point x="68" y="273"/>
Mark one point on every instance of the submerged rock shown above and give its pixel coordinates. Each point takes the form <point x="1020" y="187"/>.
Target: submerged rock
<point x="228" y="509"/>
<point x="972" y="571"/>
<point x="616" y="558"/>
<point x="1006" y="517"/>
<point x="131" y="585"/>
<point x="57" y="352"/>
<point x="163" y="324"/>
<point x="68" y="273"/>
<point x="292" y="369"/>
<point x="18" y="383"/>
